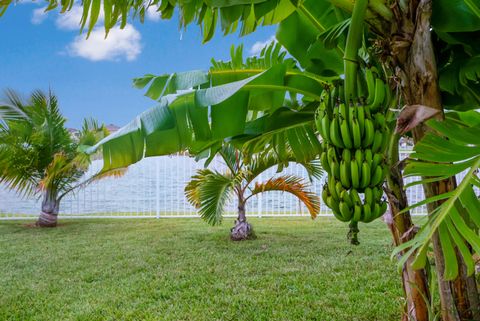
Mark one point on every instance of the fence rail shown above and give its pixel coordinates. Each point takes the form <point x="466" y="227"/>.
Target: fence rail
<point x="153" y="188"/>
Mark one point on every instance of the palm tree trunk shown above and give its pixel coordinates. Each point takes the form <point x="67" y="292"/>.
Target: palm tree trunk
<point x="418" y="75"/>
<point x="415" y="282"/>
<point x="50" y="207"/>
<point x="242" y="229"/>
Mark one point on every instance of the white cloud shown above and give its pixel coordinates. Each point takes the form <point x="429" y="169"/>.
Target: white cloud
<point x="71" y="20"/>
<point x="259" y="45"/>
<point x="152" y="14"/>
<point x="120" y="44"/>
<point x="39" y="15"/>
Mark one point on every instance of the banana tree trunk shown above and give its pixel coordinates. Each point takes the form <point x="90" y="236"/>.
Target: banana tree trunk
<point x="50" y="207"/>
<point x="419" y="78"/>
<point x="242" y="229"/>
<point x="415" y="282"/>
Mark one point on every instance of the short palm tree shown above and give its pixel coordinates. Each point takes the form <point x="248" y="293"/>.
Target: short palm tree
<point x="38" y="156"/>
<point x="210" y="191"/>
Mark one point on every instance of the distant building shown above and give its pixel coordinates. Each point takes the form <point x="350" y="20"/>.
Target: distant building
<point x="74" y="133"/>
<point x="112" y="128"/>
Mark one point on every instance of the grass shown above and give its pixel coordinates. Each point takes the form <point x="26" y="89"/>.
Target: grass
<point x="182" y="269"/>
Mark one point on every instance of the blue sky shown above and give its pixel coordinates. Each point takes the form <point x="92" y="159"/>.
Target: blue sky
<point x="93" y="78"/>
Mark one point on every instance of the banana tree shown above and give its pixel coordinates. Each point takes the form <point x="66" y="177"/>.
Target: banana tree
<point x="210" y="191"/>
<point x="424" y="48"/>
<point x="38" y="157"/>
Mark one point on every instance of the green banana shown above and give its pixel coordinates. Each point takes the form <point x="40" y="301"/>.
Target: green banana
<point x="344" y="196"/>
<point x="369" y="133"/>
<point x="346" y="155"/>
<point x="367" y="213"/>
<point x="377" y="176"/>
<point x="377" y="141"/>
<point x="377" y="159"/>
<point x="331" y="188"/>
<point x="345" y="131"/>
<point x="325" y="126"/>
<point x="331" y="155"/>
<point x="345" y="211"/>
<point x="335" y="169"/>
<point x="374" y="213"/>
<point x="357" y="213"/>
<point x="339" y="189"/>
<point x="335" y="135"/>
<point x="365" y="179"/>
<point x="379" y="120"/>
<point x="355" y="197"/>
<point x="355" y="174"/>
<point x="368" y="156"/>
<point x="385" y="141"/>
<point x="325" y="164"/>
<point x="335" y="208"/>
<point x="356" y="134"/>
<point x="368" y="196"/>
<point x="377" y="211"/>
<point x="352" y="111"/>
<point x="343" y="111"/>
<point x="325" y="193"/>
<point x="379" y="95"/>
<point x="359" y="156"/>
<point x="361" y="119"/>
<point x="345" y="174"/>
<point x="377" y="193"/>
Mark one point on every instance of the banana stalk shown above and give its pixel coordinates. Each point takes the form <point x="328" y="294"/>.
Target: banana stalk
<point x="354" y="41"/>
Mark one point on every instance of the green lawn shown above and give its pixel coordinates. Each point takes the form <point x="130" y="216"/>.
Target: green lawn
<point x="182" y="269"/>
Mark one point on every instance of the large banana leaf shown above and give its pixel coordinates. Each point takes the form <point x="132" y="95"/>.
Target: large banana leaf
<point x="301" y="34"/>
<point x="197" y="119"/>
<point x="242" y="100"/>
<point x="453" y="149"/>
<point x="263" y="96"/>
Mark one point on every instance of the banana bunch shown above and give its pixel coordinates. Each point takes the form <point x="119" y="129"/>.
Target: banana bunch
<point x="347" y="205"/>
<point x="355" y="138"/>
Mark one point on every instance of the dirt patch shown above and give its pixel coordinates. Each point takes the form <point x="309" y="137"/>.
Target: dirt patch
<point x="34" y="225"/>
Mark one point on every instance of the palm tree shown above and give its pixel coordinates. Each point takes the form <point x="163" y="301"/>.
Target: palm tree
<point x="38" y="156"/>
<point x="209" y="190"/>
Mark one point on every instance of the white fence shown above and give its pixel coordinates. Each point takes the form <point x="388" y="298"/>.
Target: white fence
<point x="154" y="187"/>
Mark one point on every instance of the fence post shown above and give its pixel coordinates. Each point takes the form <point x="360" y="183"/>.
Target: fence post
<point x="157" y="187"/>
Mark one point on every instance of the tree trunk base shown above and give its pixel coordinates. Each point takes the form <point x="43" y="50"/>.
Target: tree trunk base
<point x="47" y="220"/>
<point x="242" y="231"/>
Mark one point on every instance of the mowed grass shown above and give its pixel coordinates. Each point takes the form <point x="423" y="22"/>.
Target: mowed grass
<point x="183" y="269"/>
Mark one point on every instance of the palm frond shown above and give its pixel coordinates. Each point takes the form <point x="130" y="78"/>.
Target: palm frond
<point x="192" y="189"/>
<point x="11" y="108"/>
<point x="453" y="149"/>
<point x="210" y="191"/>
<point x="92" y="132"/>
<point x="293" y="185"/>
<point x="232" y="157"/>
